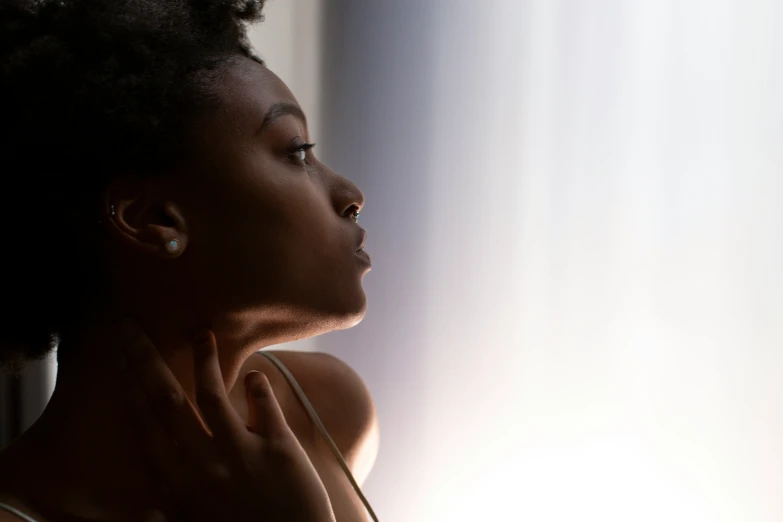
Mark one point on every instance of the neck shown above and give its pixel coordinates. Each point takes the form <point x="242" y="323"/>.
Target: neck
<point x="81" y="455"/>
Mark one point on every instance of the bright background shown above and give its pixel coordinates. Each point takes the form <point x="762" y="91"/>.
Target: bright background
<point x="575" y="219"/>
<point x="574" y="207"/>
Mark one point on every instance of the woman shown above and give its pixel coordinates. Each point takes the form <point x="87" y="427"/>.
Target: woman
<point x="163" y="173"/>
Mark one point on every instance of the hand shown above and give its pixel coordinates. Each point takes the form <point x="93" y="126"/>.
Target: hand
<point x="215" y="467"/>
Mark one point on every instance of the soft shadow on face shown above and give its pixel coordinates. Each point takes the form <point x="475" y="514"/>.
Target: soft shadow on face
<point x="269" y="226"/>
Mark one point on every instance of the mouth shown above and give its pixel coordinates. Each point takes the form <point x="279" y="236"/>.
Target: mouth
<point x="363" y="242"/>
<point x="364" y="257"/>
<point x="361" y="254"/>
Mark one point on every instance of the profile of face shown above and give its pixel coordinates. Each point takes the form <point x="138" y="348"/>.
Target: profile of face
<point x="266" y="230"/>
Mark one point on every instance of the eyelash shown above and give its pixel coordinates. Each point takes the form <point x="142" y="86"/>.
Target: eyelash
<point x="295" y="156"/>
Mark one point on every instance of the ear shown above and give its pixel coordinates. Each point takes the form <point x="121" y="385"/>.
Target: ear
<point x="141" y="215"/>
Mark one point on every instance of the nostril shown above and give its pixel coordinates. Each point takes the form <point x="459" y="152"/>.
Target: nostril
<point x="351" y="211"/>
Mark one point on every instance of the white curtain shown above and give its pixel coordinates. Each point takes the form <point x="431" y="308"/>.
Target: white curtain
<point x="574" y="207"/>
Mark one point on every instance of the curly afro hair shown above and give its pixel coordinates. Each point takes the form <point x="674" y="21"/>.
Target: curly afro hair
<point x="88" y="89"/>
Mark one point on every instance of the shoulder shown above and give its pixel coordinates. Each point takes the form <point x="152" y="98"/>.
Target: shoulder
<point x="338" y="394"/>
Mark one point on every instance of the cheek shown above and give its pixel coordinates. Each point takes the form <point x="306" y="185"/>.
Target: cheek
<point x="314" y="246"/>
<point x="276" y="236"/>
<point x="267" y="205"/>
<point x="288" y="229"/>
<point x="239" y="230"/>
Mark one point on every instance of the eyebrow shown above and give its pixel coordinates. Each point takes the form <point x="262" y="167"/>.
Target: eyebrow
<point x="280" y="109"/>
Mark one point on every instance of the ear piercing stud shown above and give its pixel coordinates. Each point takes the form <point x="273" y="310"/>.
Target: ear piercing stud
<point x="172" y="246"/>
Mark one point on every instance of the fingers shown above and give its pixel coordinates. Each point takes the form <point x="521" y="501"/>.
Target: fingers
<point x="265" y="417"/>
<point x="211" y="396"/>
<point x="164" y="396"/>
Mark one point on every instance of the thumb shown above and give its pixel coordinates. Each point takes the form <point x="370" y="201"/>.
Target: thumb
<point x="265" y="417"/>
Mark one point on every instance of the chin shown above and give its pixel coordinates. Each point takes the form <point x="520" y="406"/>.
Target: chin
<point x="350" y="312"/>
<point x="355" y="315"/>
<point x="353" y="320"/>
<point x="322" y="322"/>
<point x="333" y="311"/>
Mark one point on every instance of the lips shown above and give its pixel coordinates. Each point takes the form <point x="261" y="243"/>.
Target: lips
<point x="363" y="241"/>
<point x="360" y="252"/>
<point x="364" y="256"/>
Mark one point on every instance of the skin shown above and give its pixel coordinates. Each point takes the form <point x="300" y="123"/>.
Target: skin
<point x="268" y="254"/>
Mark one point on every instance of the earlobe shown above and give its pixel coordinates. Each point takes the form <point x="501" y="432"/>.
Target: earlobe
<point x="178" y="234"/>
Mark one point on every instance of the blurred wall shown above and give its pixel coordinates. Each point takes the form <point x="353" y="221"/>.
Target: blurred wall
<point x="23" y="398"/>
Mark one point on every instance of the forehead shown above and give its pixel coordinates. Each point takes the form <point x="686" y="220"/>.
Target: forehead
<point x="246" y="90"/>
<point x="247" y="81"/>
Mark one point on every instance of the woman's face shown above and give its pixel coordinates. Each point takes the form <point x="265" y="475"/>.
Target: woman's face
<point x="269" y="227"/>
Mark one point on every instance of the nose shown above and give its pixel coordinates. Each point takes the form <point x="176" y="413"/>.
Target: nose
<point x="347" y="198"/>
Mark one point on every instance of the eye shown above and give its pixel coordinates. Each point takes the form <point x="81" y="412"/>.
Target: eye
<point x="299" y="154"/>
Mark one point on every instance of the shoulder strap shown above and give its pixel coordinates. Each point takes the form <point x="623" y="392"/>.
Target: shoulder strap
<point x="16" y="512"/>
<point x="318" y="424"/>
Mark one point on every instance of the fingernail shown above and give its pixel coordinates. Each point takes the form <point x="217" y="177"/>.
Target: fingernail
<point x="257" y="391"/>
<point x="256" y="385"/>
<point x="128" y="328"/>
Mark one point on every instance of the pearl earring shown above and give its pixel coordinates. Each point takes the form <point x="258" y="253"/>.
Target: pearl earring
<point x="172" y="246"/>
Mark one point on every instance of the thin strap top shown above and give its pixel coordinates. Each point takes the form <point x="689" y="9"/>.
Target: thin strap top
<point x="313" y="415"/>
<point x="321" y="429"/>
<point x="16" y="512"/>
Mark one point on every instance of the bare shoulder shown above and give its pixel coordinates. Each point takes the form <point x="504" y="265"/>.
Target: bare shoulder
<point x="338" y="394"/>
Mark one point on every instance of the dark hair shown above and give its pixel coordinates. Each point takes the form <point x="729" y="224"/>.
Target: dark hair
<point x="88" y="89"/>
